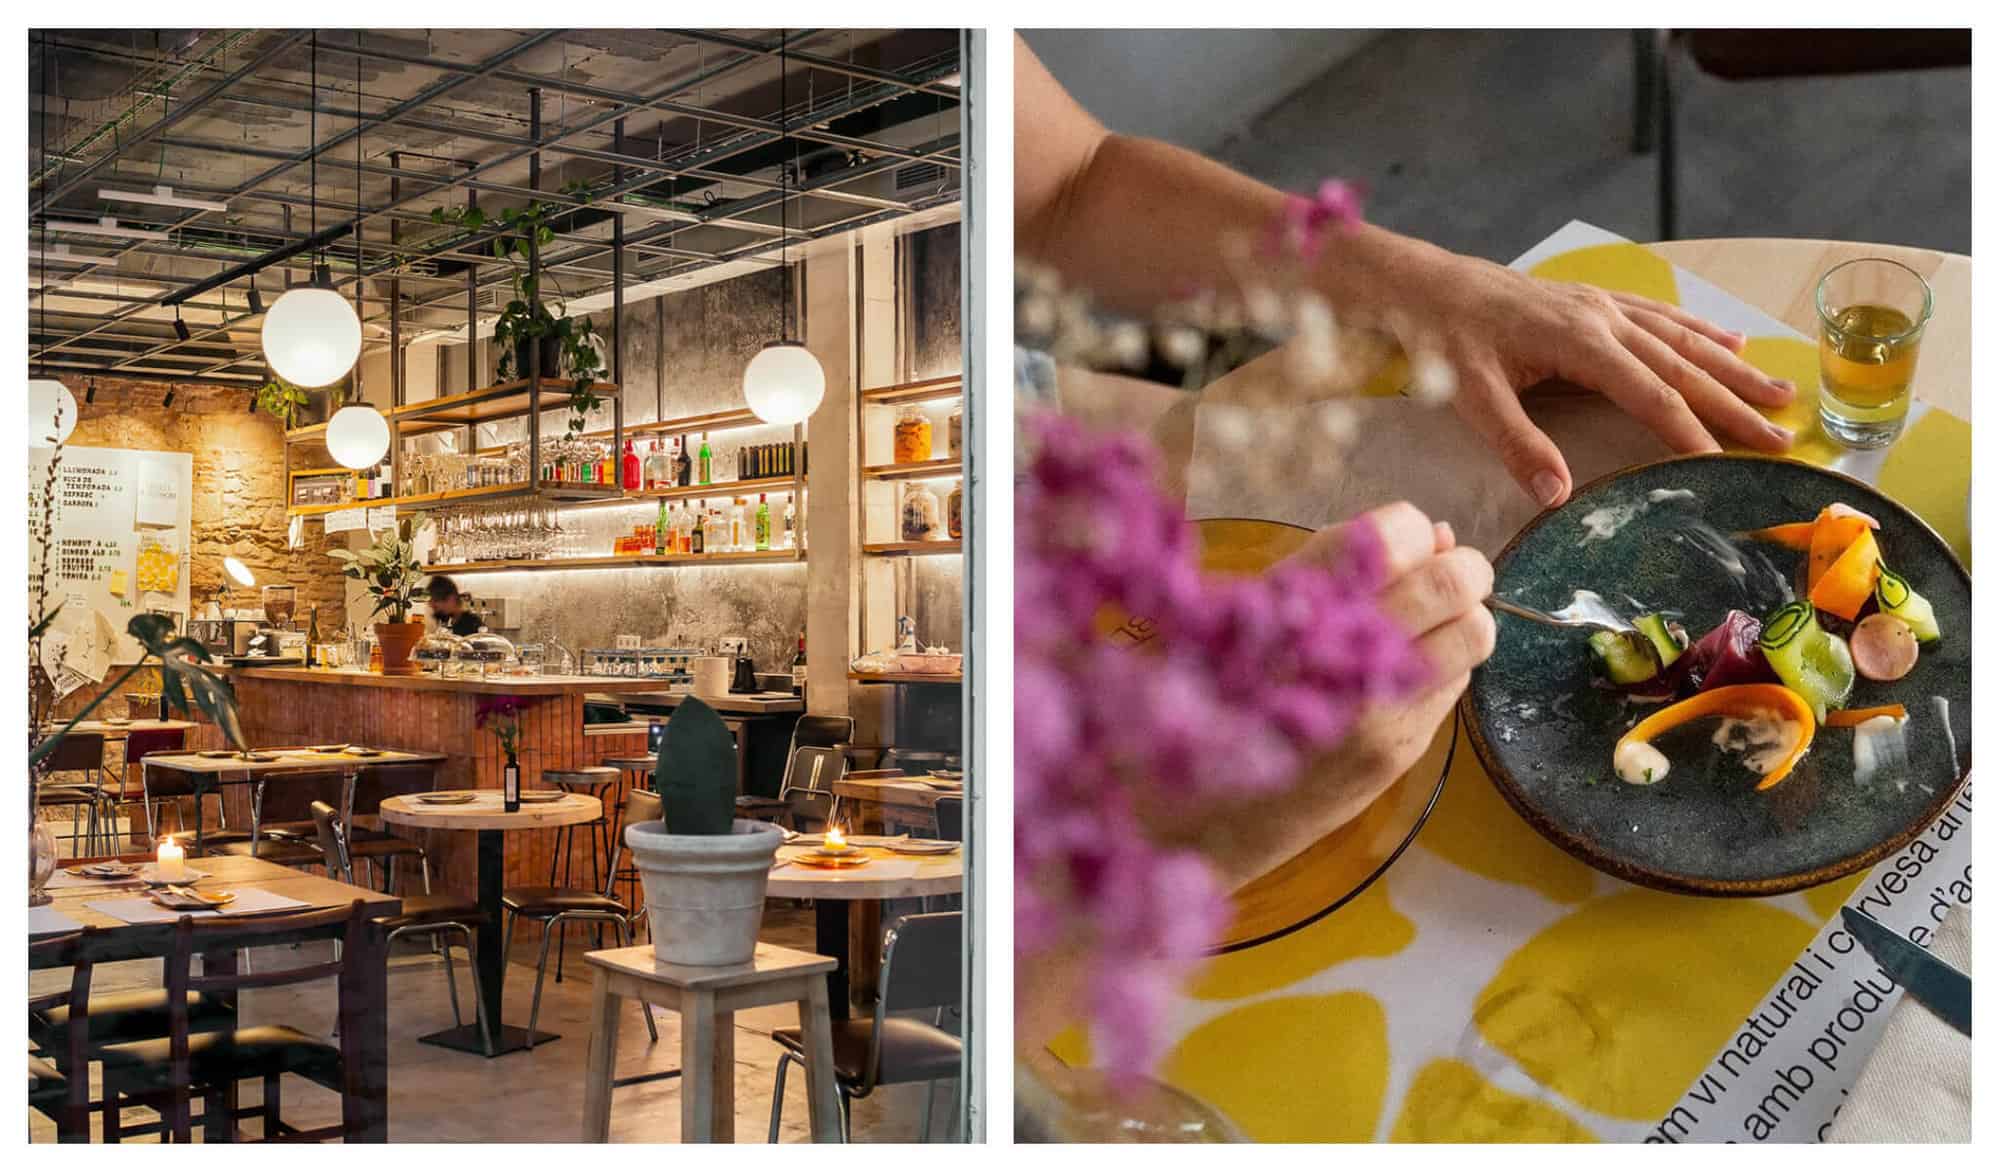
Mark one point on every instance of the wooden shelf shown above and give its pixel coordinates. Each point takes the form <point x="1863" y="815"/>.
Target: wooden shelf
<point x="622" y="561"/>
<point x="719" y="490"/>
<point x="906" y="677"/>
<point x="310" y="432"/>
<point x="486" y="404"/>
<point x="949" y="387"/>
<point x="923" y="470"/>
<point x="560" y="493"/>
<point x="904" y="549"/>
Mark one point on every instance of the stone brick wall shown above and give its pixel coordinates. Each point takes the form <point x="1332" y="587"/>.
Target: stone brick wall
<point x="238" y="504"/>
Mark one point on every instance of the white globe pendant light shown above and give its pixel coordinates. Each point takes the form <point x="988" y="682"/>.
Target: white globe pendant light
<point x="51" y="413"/>
<point x="784" y="383"/>
<point x="357" y="436"/>
<point x="311" y="336"/>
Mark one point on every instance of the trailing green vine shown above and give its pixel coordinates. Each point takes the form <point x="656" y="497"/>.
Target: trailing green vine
<point x="526" y="317"/>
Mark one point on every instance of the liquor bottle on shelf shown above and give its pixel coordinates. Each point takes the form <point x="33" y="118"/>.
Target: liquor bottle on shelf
<point x="630" y="469"/>
<point x="737" y="528"/>
<point x="799" y="667"/>
<point x="705" y="462"/>
<point x="697" y="543"/>
<point x="683" y="466"/>
<point x="312" y="639"/>
<point x="660" y="529"/>
<point x="791" y="537"/>
<point x="653" y="472"/>
<point x="763" y="523"/>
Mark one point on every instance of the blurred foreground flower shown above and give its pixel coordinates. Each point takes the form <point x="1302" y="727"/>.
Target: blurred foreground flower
<point x="1142" y="683"/>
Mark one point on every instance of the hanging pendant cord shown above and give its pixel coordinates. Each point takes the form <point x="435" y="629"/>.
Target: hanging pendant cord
<point x="43" y="121"/>
<point x="312" y="146"/>
<point x="784" y="198"/>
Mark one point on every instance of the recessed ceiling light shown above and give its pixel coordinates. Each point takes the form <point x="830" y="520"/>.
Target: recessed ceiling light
<point x="162" y="196"/>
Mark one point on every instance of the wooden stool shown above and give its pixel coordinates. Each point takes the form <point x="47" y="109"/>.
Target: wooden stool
<point x="707" y="1000"/>
<point x="592" y="780"/>
<point x="640" y="766"/>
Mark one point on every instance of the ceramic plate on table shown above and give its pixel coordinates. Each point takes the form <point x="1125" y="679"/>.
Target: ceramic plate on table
<point x="358" y="751"/>
<point x="832" y="862"/>
<point x="216" y="754"/>
<point x="330" y="748"/>
<point x="183" y="899"/>
<point x="260" y="758"/>
<point x="1663" y="537"/>
<point x="943" y="786"/>
<point x="150" y="875"/>
<point x="948" y="774"/>
<point x="924" y="846"/>
<point x="1328" y="874"/>
<point x="542" y="797"/>
<point x="105" y="870"/>
<point x="445" y="798"/>
<point x="118" y="721"/>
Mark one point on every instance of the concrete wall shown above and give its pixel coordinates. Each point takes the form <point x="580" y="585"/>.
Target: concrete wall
<point x="1193" y="87"/>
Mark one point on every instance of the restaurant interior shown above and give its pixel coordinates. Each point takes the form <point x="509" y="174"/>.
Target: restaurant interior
<point x="497" y="513"/>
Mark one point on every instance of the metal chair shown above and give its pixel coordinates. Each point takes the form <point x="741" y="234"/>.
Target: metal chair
<point x="139" y="745"/>
<point x="638" y="768"/>
<point x="594" y="780"/>
<point x="811" y="732"/>
<point x="950" y="814"/>
<point x="921" y="962"/>
<point x="437" y="916"/>
<point x="556" y="907"/>
<point x="77" y="753"/>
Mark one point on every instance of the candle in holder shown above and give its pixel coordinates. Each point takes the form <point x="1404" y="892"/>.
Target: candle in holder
<point x="835" y="842"/>
<point x="171" y="864"/>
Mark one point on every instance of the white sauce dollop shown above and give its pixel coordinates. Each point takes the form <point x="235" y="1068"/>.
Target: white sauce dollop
<point x="1638" y="763"/>
<point x="1764" y="739"/>
<point x="1881" y="748"/>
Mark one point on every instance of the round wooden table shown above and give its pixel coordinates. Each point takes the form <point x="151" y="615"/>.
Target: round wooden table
<point x="833" y="892"/>
<point x="485" y="816"/>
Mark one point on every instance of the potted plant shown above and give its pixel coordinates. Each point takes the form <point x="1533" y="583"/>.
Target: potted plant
<point x="704" y="869"/>
<point x="389" y="567"/>
<point x="567" y="342"/>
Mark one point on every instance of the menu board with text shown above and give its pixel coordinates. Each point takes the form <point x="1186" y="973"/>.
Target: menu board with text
<point x="119" y="532"/>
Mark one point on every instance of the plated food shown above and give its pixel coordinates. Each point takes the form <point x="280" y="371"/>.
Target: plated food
<point x="1788" y="700"/>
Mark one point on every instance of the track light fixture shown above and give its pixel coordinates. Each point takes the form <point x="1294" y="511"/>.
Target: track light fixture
<point x="90" y="391"/>
<point x="181" y="330"/>
<point x="169" y="400"/>
<point x="256" y="301"/>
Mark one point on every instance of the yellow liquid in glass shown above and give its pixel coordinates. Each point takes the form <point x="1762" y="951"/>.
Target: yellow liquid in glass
<point x="1864" y="379"/>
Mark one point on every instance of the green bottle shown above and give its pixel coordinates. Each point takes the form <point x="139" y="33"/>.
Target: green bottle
<point x="705" y="462"/>
<point x="660" y="530"/>
<point x="763" y="523"/>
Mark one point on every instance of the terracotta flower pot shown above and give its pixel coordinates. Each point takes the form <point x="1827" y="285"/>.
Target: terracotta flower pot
<point x="397" y="640"/>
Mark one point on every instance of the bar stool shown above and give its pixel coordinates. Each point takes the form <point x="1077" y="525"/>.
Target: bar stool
<point x="597" y="781"/>
<point x="639" y="768"/>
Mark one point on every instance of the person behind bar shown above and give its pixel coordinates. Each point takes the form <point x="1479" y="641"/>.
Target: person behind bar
<point x="448" y="608"/>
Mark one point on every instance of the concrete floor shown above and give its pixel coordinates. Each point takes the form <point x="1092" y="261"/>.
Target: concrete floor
<point x="1486" y="141"/>
<point x="438" y="1095"/>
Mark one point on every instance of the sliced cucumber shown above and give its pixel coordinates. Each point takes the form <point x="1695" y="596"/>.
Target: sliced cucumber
<point x="1627" y="658"/>
<point x="1655" y="629"/>
<point x="1810" y="661"/>
<point x="1894" y="596"/>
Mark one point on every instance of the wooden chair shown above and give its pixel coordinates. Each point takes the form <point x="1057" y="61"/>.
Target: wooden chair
<point x="60" y="1089"/>
<point x="921" y="965"/>
<point x="554" y="908"/>
<point x="168" y="1073"/>
<point x="437" y="916"/>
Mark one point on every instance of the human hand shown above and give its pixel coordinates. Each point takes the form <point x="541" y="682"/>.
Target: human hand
<point x="1434" y="589"/>
<point x="1503" y="331"/>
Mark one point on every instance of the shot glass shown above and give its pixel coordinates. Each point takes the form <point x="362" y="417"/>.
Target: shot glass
<point x="1872" y="314"/>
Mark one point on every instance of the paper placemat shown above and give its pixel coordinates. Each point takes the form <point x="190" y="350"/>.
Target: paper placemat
<point x="47" y="921"/>
<point x="1492" y="988"/>
<point x="249" y="901"/>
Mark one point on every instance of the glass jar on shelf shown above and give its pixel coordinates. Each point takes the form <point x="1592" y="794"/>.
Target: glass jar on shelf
<point x="955" y="431"/>
<point x="922" y="517"/>
<point x="913" y="436"/>
<point x="954" y="523"/>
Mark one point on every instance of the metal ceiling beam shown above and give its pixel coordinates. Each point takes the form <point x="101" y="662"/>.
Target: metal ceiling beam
<point x="167" y="121"/>
<point x="831" y="65"/>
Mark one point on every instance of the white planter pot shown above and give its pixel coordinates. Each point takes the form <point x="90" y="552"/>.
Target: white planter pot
<point x="705" y="892"/>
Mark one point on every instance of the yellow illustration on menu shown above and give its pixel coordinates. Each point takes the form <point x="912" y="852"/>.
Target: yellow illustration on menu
<point x="159" y="568"/>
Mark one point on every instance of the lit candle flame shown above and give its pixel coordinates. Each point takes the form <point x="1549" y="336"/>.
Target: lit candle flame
<point x="835" y="840"/>
<point x="171" y="862"/>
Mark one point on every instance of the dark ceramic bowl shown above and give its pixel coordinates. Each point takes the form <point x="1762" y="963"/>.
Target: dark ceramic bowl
<point x="1545" y="732"/>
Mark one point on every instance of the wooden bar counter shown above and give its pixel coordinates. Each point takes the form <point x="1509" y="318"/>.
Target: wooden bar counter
<point x="283" y="706"/>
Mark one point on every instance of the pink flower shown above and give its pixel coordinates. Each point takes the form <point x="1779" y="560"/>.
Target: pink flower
<point x="1247" y="679"/>
<point x="1307" y="220"/>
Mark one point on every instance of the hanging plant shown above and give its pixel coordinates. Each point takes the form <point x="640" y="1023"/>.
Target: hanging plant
<point x="526" y="317"/>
